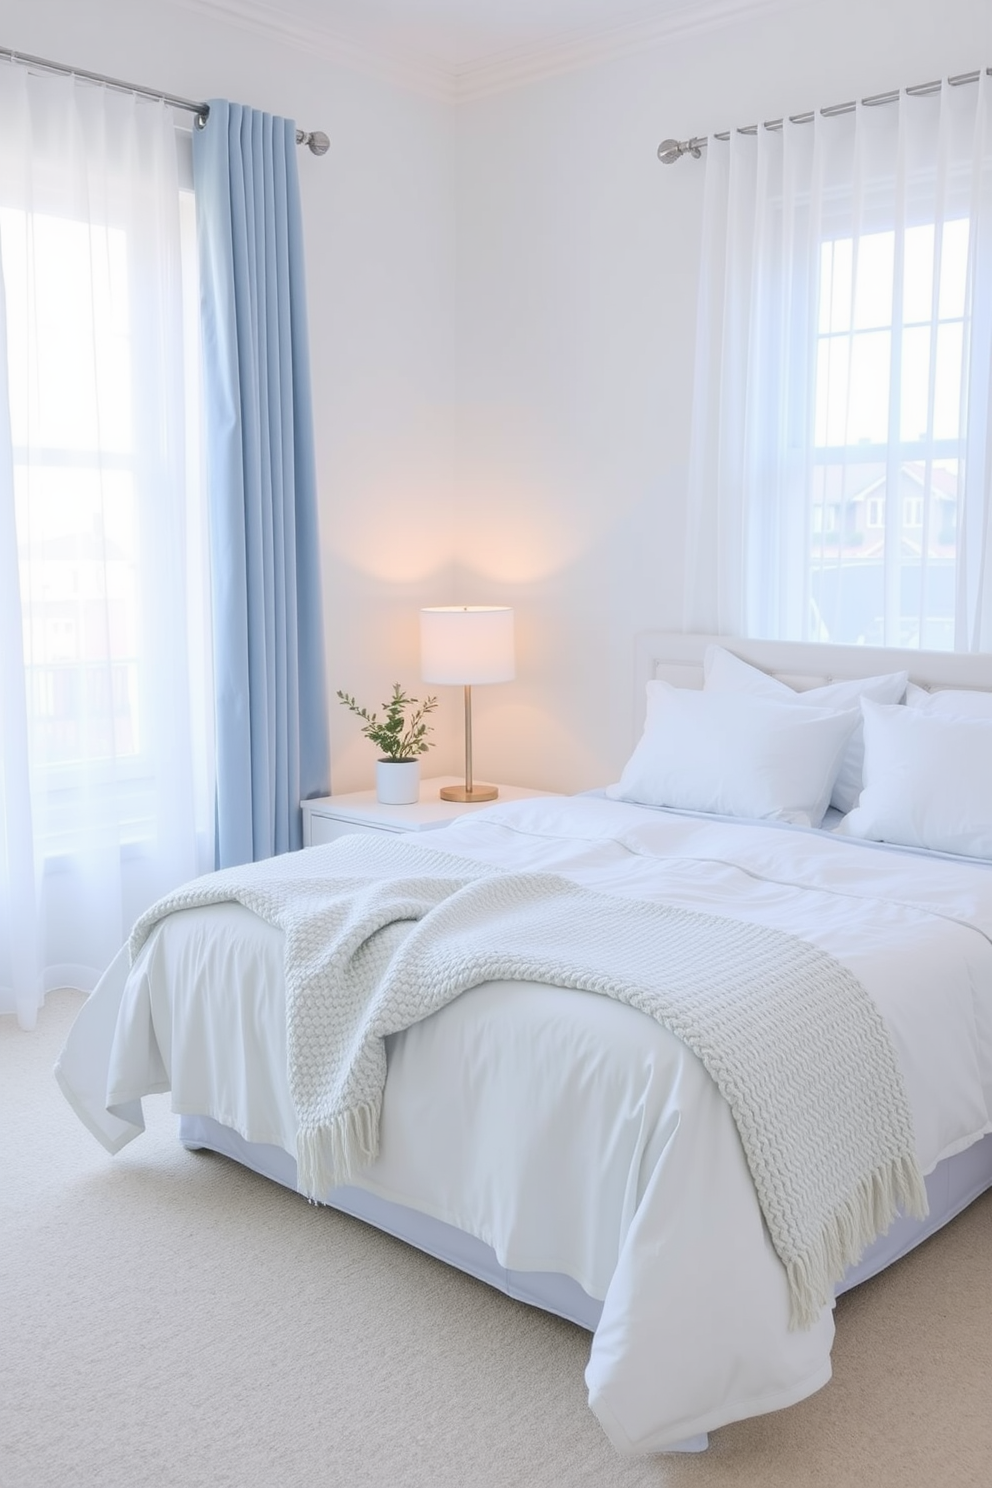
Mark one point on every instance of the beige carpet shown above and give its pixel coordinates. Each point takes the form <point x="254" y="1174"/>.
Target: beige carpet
<point x="168" y="1319"/>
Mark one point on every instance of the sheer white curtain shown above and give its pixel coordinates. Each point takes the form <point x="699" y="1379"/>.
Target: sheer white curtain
<point x="841" y="469"/>
<point x="105" y="795"/>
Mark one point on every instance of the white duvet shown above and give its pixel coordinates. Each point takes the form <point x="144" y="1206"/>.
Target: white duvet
<point x="568" y="1131"/>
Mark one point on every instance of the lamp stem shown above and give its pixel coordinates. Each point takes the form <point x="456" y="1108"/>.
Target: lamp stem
<point x="469" y="791"/>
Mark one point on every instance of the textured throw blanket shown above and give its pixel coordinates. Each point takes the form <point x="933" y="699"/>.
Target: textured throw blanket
<point x="380" y="933"/>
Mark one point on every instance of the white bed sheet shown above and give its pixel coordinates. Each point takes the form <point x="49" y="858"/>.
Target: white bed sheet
<point x="569" y="1132"/>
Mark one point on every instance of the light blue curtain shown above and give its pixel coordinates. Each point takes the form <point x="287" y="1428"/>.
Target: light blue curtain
<point x="272" y="728"/>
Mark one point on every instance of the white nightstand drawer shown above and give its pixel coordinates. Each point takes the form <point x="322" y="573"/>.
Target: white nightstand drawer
<point x="330" y="828"/>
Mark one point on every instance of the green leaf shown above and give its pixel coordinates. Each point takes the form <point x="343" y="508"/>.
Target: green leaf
<point x="396" y="736"/>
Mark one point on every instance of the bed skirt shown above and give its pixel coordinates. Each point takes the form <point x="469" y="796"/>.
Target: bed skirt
<point x="545" y="1289"/>
<point x="952" y="1186"/>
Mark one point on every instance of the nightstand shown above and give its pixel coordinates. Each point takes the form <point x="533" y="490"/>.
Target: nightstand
<point x="328" y="817"/>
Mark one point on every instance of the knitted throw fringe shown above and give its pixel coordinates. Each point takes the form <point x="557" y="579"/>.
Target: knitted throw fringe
<point x="896" y="1187"/>
<point x="335" y="1152"/>
<point x="380" y="933"/>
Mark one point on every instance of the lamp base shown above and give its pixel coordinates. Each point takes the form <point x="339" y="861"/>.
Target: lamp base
<point x="477" y="793"/>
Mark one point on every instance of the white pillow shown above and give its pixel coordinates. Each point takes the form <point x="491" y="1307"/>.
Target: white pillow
<point x="725" y="672"/>
<point x="949" y="702"/>
<point x="928" y="781"/>
<point x="735" y="755"/>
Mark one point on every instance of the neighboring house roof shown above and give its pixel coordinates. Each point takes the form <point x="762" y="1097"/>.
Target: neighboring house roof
<point x="941" y="480"/>
<point x="943" y="484"/>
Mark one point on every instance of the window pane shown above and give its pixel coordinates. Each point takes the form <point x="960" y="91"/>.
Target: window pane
<point x="917" y="290"/>
<point x="873" y="292"/>
<point x="954" y="268"/>
<point x="848" y="565"/>
<point x="947" y="390"/>
<point x="67" y="325"/>
<point x="835" y="290"/>
<point x="845" y="574"/>
<point x="915" y="384"/>
<point x="919" y="270"/>
<point x="852" y="389"/>
<point x="943" y="497"/>
<point x="868" y="415"/>
<point x="832" y="376"/>
<point x="77" y="550"/>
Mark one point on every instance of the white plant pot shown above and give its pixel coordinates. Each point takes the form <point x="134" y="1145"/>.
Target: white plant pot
<point x="397" y="782"/>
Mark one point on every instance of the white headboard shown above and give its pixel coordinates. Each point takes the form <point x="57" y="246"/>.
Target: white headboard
<point x="678" y="658"/>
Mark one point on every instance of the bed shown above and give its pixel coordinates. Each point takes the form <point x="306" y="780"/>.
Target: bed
<point x="560" y="1144"/>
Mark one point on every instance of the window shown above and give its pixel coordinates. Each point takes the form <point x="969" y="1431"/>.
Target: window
<point x="74" y="492"/>
<point x="843" y="355"/>
<point x="888" y="410"/>
<point x="79" y="464"/>
<point x="105" y="755"/>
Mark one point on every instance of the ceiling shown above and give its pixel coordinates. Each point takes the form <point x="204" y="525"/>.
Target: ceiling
<point x="463" y="48"/>
<point x="460" y="34"/>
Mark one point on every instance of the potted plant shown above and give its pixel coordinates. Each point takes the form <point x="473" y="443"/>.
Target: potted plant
<point x="400" y="736"/>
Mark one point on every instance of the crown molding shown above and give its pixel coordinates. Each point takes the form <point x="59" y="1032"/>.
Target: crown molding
<point x="607" y="43"/>
<point x="516" y="68"/>
<point x="419" y="74"/>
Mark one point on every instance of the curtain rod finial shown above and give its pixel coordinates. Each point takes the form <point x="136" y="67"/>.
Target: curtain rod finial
<point x="315" y="140"/>
<point x="671" y="150"/>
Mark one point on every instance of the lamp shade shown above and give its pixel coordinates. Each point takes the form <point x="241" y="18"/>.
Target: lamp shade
<point x="467" y="644"/>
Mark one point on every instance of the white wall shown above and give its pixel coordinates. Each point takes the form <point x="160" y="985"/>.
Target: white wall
<point x="577" y="275"/>
<point x="378" y="216"/>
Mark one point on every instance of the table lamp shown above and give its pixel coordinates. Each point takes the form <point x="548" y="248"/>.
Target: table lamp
<point x="467" y="645"/>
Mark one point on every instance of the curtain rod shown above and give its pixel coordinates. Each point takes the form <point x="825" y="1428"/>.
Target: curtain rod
<point x="671" y="150"/>
<point x="315" y="140"/>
